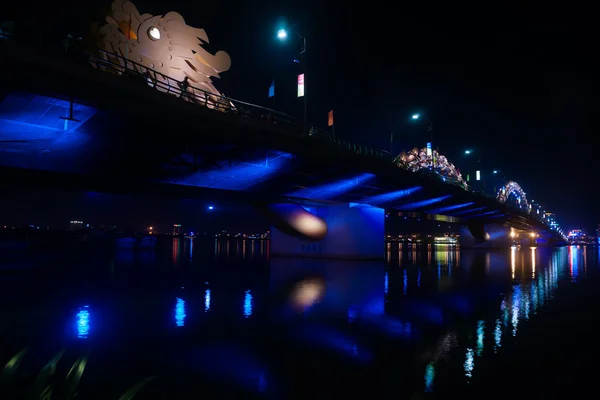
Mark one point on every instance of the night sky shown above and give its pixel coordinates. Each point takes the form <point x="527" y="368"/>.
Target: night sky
<point x="511" y="83"/>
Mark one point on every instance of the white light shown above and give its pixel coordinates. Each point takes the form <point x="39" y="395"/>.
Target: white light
<point x="281" y="34"/>
<point x="477" y="175"/>
<point x="416" y="116"/>
<point x="154" y="33"/>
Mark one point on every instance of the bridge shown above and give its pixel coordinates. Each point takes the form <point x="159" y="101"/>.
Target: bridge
<point x="106" y="121"/>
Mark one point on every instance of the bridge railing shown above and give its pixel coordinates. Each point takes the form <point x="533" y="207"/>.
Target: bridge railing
<point x="121" y="66"/>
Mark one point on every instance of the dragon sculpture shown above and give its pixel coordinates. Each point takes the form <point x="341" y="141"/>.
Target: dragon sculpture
<point x="512" y="187"/>
<point x="415" y="160"/>
<point x="165" y="44"/>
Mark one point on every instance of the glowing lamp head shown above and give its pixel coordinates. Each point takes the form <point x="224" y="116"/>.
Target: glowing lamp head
<point x="467" y="151"/>
<point x="211" y="207"/>
<point x="416" y="116"/>
<point x="282" y="34"/>
<point x="154" y="33"/>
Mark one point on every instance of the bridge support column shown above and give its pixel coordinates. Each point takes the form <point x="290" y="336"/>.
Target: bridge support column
<point x="353" y="231"/>
<point x="485" y="236"/>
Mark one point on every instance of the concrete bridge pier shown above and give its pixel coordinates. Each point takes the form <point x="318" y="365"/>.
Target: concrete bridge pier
<point x="485" y="236"/>
<point x="335" y="231"/>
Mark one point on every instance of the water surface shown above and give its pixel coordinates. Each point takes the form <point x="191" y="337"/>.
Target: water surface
<point x="220" y="316"/>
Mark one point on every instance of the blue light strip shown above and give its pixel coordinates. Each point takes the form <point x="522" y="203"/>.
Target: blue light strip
<point x="331" y="190"/>
<point x="423" y="203"/>
<point x="442" y="210"/>
<point x="483" y="214"/>
<point x="391" y="196"/>
<point x="468" y="211"/>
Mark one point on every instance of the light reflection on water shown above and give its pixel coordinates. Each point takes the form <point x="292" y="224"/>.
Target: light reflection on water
<point x="535" y="274"/>
<point x="180" y="312"/>
<point x="83" y="322"/>
<point x="444" y="281"/>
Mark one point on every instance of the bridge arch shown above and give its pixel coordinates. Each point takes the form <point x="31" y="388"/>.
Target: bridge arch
<point x="514" y="189"/>
<point x="427" y="159"/>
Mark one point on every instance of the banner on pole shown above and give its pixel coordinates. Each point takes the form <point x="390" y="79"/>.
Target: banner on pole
<point x="301" y="85"/>
<point x="272" y="89"/>
<point x="330" y="118"/>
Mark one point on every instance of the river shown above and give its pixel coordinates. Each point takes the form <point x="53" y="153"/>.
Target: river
<point x="221" y="316"/>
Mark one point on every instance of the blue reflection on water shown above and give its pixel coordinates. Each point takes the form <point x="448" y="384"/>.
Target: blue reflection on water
<point x="386" y="284"/>
<point x="247" y="304"/>
<point x="180" y="312"/>
<point x="83" y="322"/>
<point x="480" y="336"/>
<point x="497" y="335"/>
<point x="429" y="377"/>
<point x="207" y="300"/>
<point x="469" y="363"/>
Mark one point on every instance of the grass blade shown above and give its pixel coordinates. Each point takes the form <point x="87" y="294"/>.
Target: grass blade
<point x="74" y="376"/>
<point x="42" y="388"/>
<point x="130" y="394"/>
<point x="12" y="365"/>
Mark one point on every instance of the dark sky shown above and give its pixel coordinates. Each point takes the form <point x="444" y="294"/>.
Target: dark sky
<point x="515" y="83"/>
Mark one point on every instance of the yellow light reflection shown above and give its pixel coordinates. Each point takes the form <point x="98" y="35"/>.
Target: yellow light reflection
<point x="513" y="256"/>
<point x="307" y="293"/>
<point x="533" y="262"/>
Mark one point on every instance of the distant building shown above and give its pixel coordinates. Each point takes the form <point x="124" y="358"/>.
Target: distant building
<point x="76" y="225"/>
<point x="176" y="229"/>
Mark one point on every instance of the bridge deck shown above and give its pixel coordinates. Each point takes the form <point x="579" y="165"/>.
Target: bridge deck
<point x="138" y="138"/>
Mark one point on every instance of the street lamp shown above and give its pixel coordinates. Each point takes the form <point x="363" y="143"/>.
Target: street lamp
<point x="467" y="152"/>
<point x="416" y="117"/>
<point x="282" y="35"/>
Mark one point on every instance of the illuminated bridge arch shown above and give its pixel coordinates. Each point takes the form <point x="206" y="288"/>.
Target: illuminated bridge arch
<point x="513" y="188"/>
<point x="426" y="159"/>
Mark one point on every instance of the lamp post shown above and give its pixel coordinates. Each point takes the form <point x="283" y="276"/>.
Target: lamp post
<point x="417" y="117"/>
<point x="282" y="35"/>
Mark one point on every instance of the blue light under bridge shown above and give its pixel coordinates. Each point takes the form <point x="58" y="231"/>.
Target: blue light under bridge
<point x="331" y="190"/>
<point x="391" y="196"/>
<point x="237" y="175"/>
<point x="442" y="210"/>
<point x="423" y="203"/>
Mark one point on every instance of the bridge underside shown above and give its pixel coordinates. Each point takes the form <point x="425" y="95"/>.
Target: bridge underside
<point x="139" y="144"/>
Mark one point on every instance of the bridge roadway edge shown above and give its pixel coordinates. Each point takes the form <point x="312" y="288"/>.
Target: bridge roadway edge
<point x="90" y="86"/>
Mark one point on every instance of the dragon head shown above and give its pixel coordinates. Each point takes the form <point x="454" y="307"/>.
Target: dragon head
<point x="165" y="44"/>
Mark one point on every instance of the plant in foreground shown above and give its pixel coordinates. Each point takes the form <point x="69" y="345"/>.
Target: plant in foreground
<point x="49" y="384"/>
